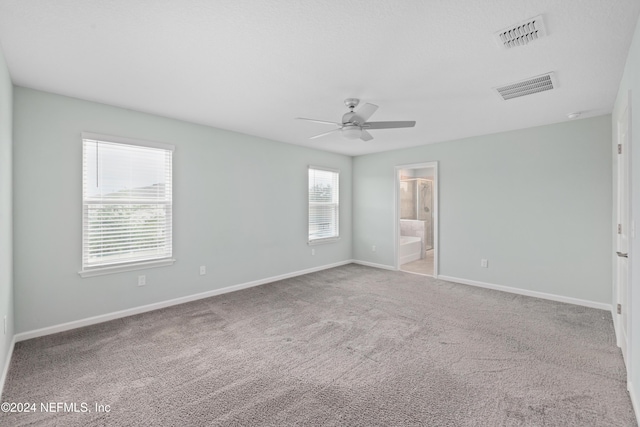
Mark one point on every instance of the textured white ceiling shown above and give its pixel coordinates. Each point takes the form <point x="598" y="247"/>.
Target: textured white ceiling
<point x="252" y="66"/>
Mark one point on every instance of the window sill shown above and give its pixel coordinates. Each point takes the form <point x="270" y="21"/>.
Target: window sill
<point x="101" y="271"/>
<point x="323" y="241"/>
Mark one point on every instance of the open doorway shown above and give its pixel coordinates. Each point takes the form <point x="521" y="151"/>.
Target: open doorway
<point x="417" y="218"/>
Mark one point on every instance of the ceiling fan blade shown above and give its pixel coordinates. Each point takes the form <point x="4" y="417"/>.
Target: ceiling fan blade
<point x="388" y="125"/>
<point x="325" y="133"/>
<point x="319" y="121"/>
<point x="366" y="136"/>
<point x="364" y="112"/>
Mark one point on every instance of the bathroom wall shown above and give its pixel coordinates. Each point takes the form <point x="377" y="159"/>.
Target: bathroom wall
<point x="411" y="227"/>
<point x="416" y="188"/>
<point x="407" y="199"/>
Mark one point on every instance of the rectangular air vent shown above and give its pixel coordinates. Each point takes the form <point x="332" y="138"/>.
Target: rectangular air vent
<point x="521" y="33"/>
<point x="527" y="87"/>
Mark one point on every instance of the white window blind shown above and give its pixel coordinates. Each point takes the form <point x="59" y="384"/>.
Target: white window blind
<point x="324" y="204"/>
<point x="127" y="202"/>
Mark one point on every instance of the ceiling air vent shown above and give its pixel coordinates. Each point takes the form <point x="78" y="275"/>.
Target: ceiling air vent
<point x="521" y="33"/>
<point x="527" y="87"/>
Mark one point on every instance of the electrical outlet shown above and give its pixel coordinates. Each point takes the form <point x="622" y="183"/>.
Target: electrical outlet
<point x="142" y="280"/>
<point x="313" y="251"/>
<point x="373" y="248"/>
<point x="203" y="270"/>
<point x="484" y="263"/>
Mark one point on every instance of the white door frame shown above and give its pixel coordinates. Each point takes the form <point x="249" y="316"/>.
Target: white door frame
<point x="396" y="217"/>
<point x="623" y="340"/>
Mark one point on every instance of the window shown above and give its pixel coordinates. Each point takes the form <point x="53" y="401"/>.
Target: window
<point x="323" y="205"/>
<point x="126" y="203"/>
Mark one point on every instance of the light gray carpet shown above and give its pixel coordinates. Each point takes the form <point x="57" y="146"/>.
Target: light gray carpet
<point x="352" y="346"/>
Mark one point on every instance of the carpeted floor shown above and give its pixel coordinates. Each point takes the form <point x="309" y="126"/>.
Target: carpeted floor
<point x="349" y="346"/>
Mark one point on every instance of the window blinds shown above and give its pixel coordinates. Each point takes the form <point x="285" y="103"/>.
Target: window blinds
<point x="127" y="203"/>
<point x="323" y="204"/>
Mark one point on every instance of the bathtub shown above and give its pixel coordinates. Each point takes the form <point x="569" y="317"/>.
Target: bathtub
<point x="410" y="249"/>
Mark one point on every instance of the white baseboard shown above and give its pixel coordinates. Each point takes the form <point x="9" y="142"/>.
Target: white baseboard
<point x="373" y="264"/>
<point x="536" y="294"/>
<point x="158" y="305"/>
<point x="634" y="401"/>
<point x="5" y="369"/>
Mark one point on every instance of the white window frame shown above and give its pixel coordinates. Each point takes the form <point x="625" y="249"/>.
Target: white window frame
<point x="336" y="237"/>
<point x="124" y="265"/>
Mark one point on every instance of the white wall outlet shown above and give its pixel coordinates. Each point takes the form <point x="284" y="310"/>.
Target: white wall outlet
<point x="484" y="263"/>
<point x="203" y="270"/>
<point x="142" y="280"/>
<point x="313" y="251"/>
<point x="373" y="248"/>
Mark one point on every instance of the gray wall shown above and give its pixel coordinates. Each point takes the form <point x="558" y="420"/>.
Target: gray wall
<point x="6" y="250"/>
<point x="240" y="208"/>
<point x="631" y="81"/>
<point x="537" y="203"/>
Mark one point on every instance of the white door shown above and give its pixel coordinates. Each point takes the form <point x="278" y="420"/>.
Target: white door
<point x="623" y="230"/>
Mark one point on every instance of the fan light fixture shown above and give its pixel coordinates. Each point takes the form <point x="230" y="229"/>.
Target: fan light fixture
<point x="351" y="132"/>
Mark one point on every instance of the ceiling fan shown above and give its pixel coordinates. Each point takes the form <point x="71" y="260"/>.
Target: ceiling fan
<point x="354" y="123"/>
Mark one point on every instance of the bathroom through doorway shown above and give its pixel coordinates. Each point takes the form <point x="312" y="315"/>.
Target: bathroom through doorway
<point x="417" y="218"/>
